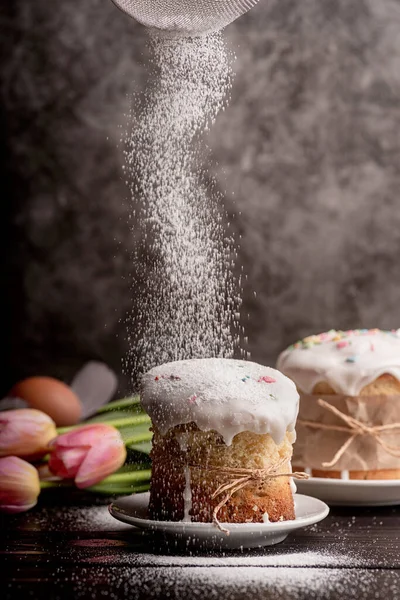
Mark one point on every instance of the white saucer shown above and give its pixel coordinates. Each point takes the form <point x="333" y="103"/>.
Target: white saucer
<point x="133" y="510"/>
<point x="342" y="492"/>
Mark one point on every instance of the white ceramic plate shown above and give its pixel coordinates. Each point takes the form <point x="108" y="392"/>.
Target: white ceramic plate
<point x="133" y="510"/>
<point x="342" y="492"/>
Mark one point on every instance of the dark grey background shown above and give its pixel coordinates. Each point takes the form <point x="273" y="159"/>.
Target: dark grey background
<point x="308" y="152"/>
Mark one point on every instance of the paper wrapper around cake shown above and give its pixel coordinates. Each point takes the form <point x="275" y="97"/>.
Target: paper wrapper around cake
<point x="187" y="454"/>
<point x="365" y="458"/>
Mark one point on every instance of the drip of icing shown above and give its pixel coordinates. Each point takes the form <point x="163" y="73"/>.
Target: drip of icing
<point x="187" y="497"/>
<point x="265" y="518"/>
<point x="344" y="475"/>
<point x="347" y="360"/>
<point x="225" y="395"/>
<point x="182" y="439"/>
<point x="308" y="471"/>
<point x="293" y="486"/>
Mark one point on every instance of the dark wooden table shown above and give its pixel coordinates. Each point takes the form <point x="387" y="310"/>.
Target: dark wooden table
<point x="79" y="551"/>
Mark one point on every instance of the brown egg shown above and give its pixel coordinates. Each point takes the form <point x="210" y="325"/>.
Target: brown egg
<point x="52" y="397"/>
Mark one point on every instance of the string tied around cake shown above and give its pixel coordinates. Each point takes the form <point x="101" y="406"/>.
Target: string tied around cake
<point x="241" y="478"/>
<point x="355" y="428"/>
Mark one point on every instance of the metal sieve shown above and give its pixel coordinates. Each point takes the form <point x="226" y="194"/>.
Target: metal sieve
<point x="187" y="18"/>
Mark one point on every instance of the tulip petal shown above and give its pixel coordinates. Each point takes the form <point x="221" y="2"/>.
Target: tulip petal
<point x="19" y="485"/>
<point x="25" y="433"/>
<point x="66" y="461"/>
<point x="89" y="454"/>
<point x="87" y="435"/>
<point x="101" y="461"/>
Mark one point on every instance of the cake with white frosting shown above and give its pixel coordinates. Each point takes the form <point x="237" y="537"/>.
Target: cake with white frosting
<point x="220" y="425"/>
<point x="357" y="371"/>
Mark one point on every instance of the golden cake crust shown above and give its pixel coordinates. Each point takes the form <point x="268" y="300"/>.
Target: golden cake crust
<point x="207" y="456"/>
<point x="385" y="384"/>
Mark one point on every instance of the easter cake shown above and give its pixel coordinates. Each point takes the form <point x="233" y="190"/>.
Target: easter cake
<point x="349" y="384"/>
<point x="223" y="431"/>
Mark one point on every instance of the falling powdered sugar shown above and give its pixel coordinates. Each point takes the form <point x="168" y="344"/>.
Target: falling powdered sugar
<point x="187" y="297"/>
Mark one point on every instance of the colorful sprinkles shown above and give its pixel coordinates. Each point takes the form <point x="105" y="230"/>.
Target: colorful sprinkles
<point x="340" y="337"/>
<point x="266" y="379"/>
<point x="351" y="359"/>
<point x="170" y="377"/>
<point x="342" y="344"/>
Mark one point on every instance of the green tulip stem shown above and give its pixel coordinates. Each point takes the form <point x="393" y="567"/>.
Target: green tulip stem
<point x="129" y="421"/>
<point x="136" y="439"/>
<point x="98" y="489"/>
<point x="44" y="485"/>
<point x="117" y="423"/>
<point x="130" y="477"/>
<point x="119" y="404"/>
<point x="126" y="479"/>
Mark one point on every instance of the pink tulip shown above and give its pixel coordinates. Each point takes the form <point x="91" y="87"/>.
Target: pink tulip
<point x="87" y="454"/>
<point x="19" y="485"/>
<point x="25" y="432"/>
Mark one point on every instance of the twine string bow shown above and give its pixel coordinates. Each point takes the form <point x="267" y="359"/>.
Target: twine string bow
<point x="355" y="428"/>
<point x="241" y="478"/>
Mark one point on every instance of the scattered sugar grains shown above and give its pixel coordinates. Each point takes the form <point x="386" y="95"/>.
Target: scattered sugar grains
<point x="187" y="299"/>
<point x="82" y="518"/>
<point x="235" y="584"/>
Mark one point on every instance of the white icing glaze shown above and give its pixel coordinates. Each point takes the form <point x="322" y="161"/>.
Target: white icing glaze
<point x="293" y="486"/>
<point x="187" y="497"/>
<point x="225" y="395"/>
<point x="344" y="475"/>
<point x="347" y="361"/>
<point x="183" y="440"/>
<point x="265" y="518"/>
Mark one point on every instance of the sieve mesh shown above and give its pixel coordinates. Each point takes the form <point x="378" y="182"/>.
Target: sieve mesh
<point x="185" y="17"/>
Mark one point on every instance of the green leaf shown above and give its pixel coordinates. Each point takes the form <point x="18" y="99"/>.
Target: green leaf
<point x="123" y="490"/>
<point x="137" y="466"/>
<point x="129" y="477"/>
<point x="142" y="429"/>
<point x="126" y="421"/>
<point x="132" y="401"/>
<point x="144" y="447"/>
